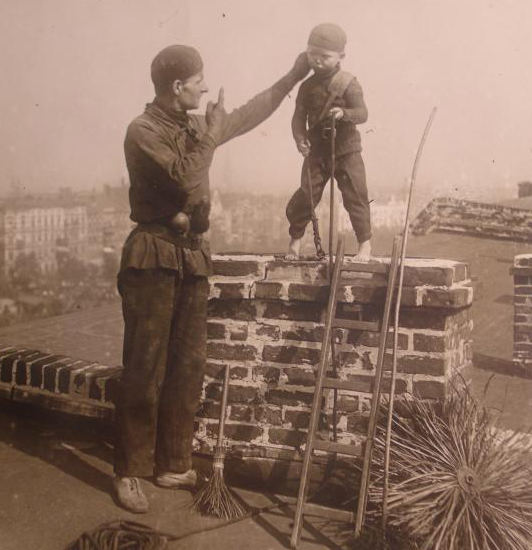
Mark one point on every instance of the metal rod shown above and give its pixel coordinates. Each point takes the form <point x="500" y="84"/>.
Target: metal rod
<point x="396" y="321"/>
<point x="332" y="223"/>
<point x="334" y="356"/>
<point x="375" y="399"/>
<point x="318" y="391"/>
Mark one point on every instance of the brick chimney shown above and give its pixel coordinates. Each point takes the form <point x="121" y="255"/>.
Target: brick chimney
<point x="524" y="189"/>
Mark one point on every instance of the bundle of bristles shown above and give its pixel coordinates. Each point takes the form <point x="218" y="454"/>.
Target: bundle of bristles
<point x="215" y="499"/>
<point x="455" y="481"/>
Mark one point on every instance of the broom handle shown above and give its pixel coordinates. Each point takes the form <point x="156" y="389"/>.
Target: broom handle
<point x="396" y="320"/>
<point x="225" y="393"/>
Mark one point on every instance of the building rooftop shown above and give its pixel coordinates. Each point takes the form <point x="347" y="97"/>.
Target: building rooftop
<point x="54" y="466"/>
<point x="96" y="334"/>
<point x="91" y="334"/>
<point x="523" y="202"/>
<point x="59" y="486"/>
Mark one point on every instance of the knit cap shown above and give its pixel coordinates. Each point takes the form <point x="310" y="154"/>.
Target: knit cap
<point x="175" y="62"/>
<point x="328" y="36"/>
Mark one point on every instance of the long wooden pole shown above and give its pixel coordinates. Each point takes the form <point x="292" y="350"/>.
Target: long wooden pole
<point x="396" y="319"/>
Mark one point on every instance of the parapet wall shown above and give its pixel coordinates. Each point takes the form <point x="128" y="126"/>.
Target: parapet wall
<point x="522" y="356"/>
<point x="265" y="321"/>
<point x="474" y="218"/>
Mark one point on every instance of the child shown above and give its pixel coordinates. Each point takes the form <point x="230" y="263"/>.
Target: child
<point x="329" y="92"/>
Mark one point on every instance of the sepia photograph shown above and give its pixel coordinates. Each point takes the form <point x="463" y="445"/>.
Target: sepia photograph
<point x="266" y="275"/>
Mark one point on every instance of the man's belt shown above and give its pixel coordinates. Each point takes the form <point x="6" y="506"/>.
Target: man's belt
<point x="167" y="234"/>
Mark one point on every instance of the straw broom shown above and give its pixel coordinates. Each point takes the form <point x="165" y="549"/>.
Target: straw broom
<point x="215" y="498"/>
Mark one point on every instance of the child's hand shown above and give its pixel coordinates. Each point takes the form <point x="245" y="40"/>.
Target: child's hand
<point x="337" y="112"/>
<point x="303" y="147"/>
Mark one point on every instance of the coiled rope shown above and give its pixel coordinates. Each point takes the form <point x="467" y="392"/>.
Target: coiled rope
<point x="122" y="535"/>
<point x="130" y="535"/>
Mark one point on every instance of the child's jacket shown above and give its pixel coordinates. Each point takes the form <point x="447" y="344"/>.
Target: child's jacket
<point x="312" y="96"/>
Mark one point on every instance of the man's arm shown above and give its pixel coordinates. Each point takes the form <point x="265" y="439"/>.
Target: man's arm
<point x="299" y="118"/>
<point x="259" y="108"/>
<point x="355" y="109"/>
<point x="181" y="172"/>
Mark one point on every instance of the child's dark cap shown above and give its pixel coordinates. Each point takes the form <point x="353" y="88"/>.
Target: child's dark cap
<point x="328" y="36"/>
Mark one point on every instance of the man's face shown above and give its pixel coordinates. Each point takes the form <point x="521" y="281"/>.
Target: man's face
<point x="322" y="61"/>
<point x="189" y="92"/>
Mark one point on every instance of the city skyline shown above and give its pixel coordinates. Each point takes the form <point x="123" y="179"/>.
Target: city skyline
<point x="79" y="73"/>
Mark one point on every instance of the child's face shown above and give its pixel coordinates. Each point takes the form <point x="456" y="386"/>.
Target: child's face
<point x="321" y="60"/>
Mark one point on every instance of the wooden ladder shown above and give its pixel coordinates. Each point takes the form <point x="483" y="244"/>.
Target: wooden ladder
<point x="324" y="382"/>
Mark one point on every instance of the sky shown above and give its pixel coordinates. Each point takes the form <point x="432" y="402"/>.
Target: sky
<point x="75" y="73"/>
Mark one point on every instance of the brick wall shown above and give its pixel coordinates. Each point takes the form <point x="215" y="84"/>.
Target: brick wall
<point x="57" y="382"/>
<point x="474" y="218"/>
<point x="266" y="323"/>
<point x="522" y="356"/>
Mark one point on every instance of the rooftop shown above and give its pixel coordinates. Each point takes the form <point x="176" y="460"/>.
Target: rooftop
<point x="59" y="486"/>
<point x="523" y="202"/>
<point x="96" y="334"/>
<point x="54" y="465"/>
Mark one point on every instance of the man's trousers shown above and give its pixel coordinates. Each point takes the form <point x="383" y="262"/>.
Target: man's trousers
<point x="350" y="175"/>
<point x="164" y="360"/>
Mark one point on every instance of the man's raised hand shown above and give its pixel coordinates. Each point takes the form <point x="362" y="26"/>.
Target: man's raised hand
<point x="215" y="116"/>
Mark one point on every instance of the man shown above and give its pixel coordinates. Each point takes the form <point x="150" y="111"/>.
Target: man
<point x="165" y="265"/>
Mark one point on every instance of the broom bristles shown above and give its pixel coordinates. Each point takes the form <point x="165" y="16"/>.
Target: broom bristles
<point x="454" y="482"/>
<point x="215" y="498"/>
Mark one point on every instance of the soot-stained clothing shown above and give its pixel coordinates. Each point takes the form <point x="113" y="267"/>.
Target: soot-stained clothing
<point x="163" y="281"/>
<point x="168" y="156"/>
<point x="313" y="94"/>
<point x="311" y="97"/>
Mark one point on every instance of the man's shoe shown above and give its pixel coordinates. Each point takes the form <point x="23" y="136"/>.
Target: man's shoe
<point x="171" y="480"/>
<point x="130" y="494"/>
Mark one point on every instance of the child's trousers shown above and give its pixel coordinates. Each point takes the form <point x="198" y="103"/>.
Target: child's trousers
<point x="350" y="175"/>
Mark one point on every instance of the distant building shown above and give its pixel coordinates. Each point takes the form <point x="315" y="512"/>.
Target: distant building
<point x="389" y="215"/>
<point x="41" y="225"/>
<point x="242" y="222"/>
<point x="109" y="223"/>
<point x="86" y="225"/>
<point x="509" y="220"/>
<point x="247" y="223"/>
<point x="80" y="224"/>
<point x="524" y="189"/>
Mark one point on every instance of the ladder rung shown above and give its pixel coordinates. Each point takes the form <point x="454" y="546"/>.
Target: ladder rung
<point x="328" y="513"/>
<point x="336" y="384"/>
<point x="372" y="267"/>
<point x="373" y="326"/>
<point x="332" y="447"/>
<point x="352" y="282"/>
